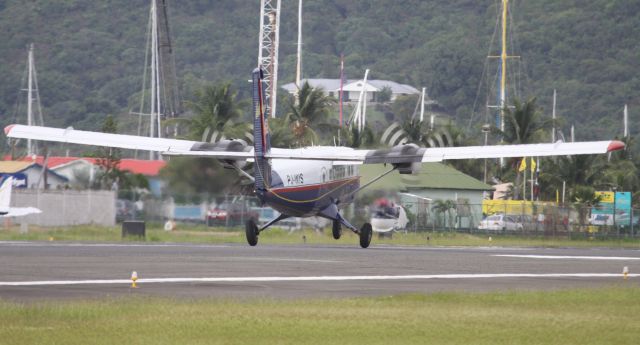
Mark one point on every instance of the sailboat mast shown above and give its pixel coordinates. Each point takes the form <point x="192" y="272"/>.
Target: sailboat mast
<point x="422" y="105"/>
<point x="503" y="63"/>
<point x="553" y="117"/>
<point x="30" y="97"/>
<point x="626" y="122"/>
<point x="299" y="60"/>
<point x="503" y="71"/>
<point x="364" y="101"/>
<point x="154" y="61"/>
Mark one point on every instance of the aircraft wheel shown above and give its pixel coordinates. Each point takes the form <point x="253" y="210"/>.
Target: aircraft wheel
<point x="337" y="230"/>
<point x="251" y="230"/>
<point x="366" y="233"/>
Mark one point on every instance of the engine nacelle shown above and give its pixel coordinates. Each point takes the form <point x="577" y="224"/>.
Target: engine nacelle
<point x="408" y="168"/>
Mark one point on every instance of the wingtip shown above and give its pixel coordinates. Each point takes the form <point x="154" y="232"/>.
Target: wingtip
<point x="615" y="145"/>
<point x="8" y="129"/>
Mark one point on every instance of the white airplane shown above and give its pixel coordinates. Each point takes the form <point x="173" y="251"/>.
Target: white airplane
<point x="311" y="181"/>
<point x="5" y="200"/>
<point x="387" y="216"/>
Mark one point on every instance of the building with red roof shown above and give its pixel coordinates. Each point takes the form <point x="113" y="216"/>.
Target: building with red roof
<point x="81" y="171"/>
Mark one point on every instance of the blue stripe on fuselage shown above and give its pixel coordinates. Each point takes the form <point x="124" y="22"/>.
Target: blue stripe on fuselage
<point x="305" y="201"/>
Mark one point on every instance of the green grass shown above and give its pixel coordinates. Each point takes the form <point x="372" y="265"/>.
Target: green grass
<point x="203" y="234"/>
<point x="599" y="316"/>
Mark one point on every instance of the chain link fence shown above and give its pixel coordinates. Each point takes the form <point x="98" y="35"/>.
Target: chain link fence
<point x="515" y="218"/>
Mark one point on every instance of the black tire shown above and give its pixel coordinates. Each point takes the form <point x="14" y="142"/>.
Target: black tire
<point x="251" y="230"/>
<point x="366" y="232"/>
<point x="336" y="230"/>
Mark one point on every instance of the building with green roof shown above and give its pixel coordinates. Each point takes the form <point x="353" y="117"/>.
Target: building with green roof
<point x="435" y="181"/>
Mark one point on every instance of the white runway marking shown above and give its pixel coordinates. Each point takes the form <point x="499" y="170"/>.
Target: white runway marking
<point x="566" y="257"/>
<point x="314" y="278"/>
<point x="261" y="259"/>
<point x="108" y="245"/>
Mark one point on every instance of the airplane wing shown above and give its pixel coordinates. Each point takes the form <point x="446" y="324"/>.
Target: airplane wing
<point x="225" y="149"/>
<point x="238" y="150"/>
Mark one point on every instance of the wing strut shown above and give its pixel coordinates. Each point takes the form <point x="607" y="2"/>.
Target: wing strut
<point x="395" y="167"/>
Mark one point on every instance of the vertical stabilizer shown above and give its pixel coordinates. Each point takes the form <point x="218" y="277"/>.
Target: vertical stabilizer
<point x="261" y="137"/>
<point x="6" y="185"/>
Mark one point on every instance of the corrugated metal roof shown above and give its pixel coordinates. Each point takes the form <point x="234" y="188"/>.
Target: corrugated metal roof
<point x="10" y="167"/>
<point x="136" y="166"/>
<point x="431" y="176"/>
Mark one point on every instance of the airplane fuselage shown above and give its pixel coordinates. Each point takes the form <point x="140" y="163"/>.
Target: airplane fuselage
<point x="304" y="188"/>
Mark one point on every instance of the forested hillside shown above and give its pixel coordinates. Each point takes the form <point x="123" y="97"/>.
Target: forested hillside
<point x="90" y="54"/>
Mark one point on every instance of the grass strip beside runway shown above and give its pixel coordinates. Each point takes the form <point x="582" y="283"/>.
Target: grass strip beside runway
<point x="598" y="316"/>
<point x="218" y="235"/>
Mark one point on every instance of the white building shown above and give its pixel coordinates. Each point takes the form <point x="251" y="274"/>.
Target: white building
<point x="352" y="88"/>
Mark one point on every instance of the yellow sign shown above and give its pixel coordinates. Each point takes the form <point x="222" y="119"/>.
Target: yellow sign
<point x="607" y="197"/>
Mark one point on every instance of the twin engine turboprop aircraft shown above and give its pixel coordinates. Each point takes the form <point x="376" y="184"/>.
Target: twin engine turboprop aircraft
<point x="311" y="181"/>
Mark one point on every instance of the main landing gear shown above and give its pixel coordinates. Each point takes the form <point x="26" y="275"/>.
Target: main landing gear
<point x="365" y="233"/>
<point x="336" y="230"/>
<point x="251" y="230"/>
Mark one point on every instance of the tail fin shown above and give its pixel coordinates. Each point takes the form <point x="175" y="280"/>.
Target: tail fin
<point x="6" y="184"/>
<point x="261" y="136"/>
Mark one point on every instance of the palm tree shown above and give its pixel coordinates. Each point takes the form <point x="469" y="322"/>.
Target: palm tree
<point x="584" y="198"/>
<point x="215" y="109"/>
<point x="442" y="207"/>
<point x="308" y="114"/>
<point x="522" y="125"/>
<point x="579" y="170"/>
<point x="356" y="139"/>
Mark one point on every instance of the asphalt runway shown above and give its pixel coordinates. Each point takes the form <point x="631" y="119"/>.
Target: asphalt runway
<point x="53" y="270"/>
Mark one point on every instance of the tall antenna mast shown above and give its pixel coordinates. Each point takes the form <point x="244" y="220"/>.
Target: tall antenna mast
<point x="268" y="51"/>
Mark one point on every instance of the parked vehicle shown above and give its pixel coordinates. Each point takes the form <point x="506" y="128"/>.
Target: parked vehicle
<point x="231" y="214"/>
<point x="527" y="222"/>
<point x="500" y="222"/>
